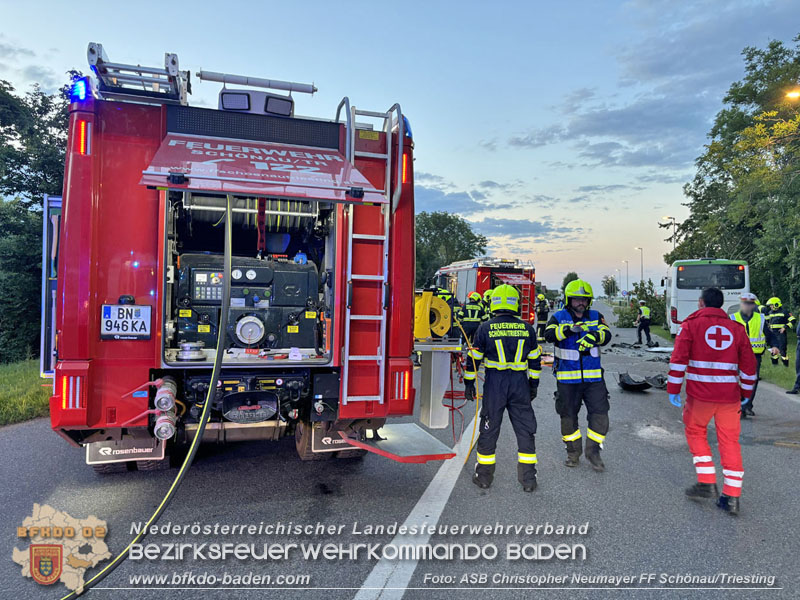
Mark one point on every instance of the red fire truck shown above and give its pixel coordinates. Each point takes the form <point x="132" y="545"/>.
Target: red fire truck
<point x="321" y="246"/>
<point x="481" y="274"/>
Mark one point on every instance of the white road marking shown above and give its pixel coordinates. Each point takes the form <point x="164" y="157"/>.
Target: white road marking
<point x="389" y="578"/>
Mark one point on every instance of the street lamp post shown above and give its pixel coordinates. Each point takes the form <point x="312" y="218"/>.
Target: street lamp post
<point x="641" y="250"/>
<point x="674" y="230"/>
<point x="627" y="276"/>
<point x="616" y="282"/>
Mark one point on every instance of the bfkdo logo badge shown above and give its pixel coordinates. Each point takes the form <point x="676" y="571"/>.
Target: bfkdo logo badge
<point x="46" y="562"/>
<point x="61" y="547"/>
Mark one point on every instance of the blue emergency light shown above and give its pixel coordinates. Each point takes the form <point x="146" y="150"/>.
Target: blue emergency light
<point x="79" y="90"/>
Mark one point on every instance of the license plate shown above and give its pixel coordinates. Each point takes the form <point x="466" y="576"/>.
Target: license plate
<point x="128" y="448"/>
<point x="124" y="322"/>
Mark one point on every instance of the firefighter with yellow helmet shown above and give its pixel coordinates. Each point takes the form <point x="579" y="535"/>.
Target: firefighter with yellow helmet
<point x="471" y="315"/>
<point x="779" y="321"/>
<point x="577" y="333"/>
<point x="542" y="312"/>
<point x="487" y="300"/>
<point x="508" y="348"/>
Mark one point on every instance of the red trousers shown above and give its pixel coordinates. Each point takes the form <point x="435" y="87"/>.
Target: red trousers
<point x="696" y="416"/>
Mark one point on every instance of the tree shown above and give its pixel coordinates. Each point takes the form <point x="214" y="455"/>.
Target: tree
<point x="443" y="238"/>
<point x="571" y="276"/>
<point x="609" y="285"/>
<point x="20" y="281"/>
<point x="33" y="140"/>
<point x="744" y="200"/>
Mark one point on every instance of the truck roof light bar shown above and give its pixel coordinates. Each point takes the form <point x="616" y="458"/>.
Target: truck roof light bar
<point x="169" y="85"/>
<point x="273" y="84"/>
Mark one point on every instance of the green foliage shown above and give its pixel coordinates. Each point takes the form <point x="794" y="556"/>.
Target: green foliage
<point x="571" y="276"/>
<point x="626" y="314"/>
<point x="22" y="396"/>
<point x="33" y="137"/>
<point x="33" y="141"/>
<point x="745" y="197"/>
<point x="610" y="287"/>
<point x="20" y="281"/>
<point x="443" y="238"/>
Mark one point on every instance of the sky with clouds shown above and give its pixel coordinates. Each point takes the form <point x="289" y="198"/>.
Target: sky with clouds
<point x="562" y="131"/>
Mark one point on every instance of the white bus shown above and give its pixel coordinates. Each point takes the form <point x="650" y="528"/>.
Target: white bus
<point x="687" y="278"/>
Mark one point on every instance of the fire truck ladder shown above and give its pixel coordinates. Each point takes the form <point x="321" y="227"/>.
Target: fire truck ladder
<point x="359" y="242"/>
<point x="525" y="301"/>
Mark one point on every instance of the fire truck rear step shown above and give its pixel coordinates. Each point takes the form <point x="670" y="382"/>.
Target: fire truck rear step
<point x="404" y="442"/>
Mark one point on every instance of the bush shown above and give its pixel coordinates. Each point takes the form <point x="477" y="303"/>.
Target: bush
<point x="626" y="315"/>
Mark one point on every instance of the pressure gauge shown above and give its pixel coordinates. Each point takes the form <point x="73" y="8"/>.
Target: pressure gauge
<point x="251" y="274"/>
<point x="236" y="274"/>
<point x="250" y="330"/>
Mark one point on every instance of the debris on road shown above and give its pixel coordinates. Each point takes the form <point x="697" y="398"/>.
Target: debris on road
<point x="629" y="384"/>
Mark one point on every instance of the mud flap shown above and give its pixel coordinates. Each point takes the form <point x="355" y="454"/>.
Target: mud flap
<point x="404" y="442"/>
<point x="128" y="448"/>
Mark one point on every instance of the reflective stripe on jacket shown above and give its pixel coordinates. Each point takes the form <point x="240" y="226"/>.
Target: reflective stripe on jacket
<point x="755" y="330"/>
<point x="715" y="358"/>
<point x="505" y="343"/>
<point x="572" y="365"/>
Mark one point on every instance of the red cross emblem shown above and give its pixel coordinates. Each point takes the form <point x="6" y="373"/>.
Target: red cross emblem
<point x="718" y="337"/>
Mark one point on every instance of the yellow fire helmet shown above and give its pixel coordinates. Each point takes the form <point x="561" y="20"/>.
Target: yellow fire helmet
<point x="774" y="301"/>
<point x="487" y="295"/>
<point x="505" y="297"/>
<point x="578" y="289"/>
<point x="540" y="297"/>
<point x="474" y="296"/>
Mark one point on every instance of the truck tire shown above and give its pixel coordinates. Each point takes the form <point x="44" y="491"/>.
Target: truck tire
<point x="302" y="441"/>
<point x="153" y="465"/>
<point x="110" y="468"/>
<point x="354" y="454"/>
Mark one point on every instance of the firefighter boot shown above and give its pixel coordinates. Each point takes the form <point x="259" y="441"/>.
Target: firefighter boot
<point x="785" y="361"/>
<point x="593" y="454"/>
<point x="701" y="491"/>
<point x="483" y="476"/>
<point x="527" y="476"/>
<point x="574" y="450"/>
<point x="729" y="504"/>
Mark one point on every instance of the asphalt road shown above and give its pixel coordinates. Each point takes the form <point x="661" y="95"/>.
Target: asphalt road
<point x="639" y="520"/>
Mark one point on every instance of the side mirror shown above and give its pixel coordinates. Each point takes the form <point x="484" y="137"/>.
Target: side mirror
<point x="663" y="283"/>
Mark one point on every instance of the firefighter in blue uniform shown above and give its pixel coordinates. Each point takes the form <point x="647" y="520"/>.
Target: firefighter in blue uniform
<point x="471" y="315"/>
<point x="508" y="348"/>
<point x="577" y="333"/>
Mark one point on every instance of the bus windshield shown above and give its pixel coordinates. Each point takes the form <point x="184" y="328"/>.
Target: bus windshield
<point x="698" y="277"/>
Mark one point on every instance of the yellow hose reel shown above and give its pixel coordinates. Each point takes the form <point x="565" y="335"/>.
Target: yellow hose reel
<point x="432" y="316"/>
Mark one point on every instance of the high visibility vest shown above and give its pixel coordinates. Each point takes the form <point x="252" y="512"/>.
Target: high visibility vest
<point x="755" y="330"/>
<point x="571" y="366"/>
<point x="472" y="312"/>
<point x="645" y="312"/>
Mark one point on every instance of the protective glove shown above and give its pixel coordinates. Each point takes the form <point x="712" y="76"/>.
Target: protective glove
<point x="469" y="390"/>
<point x="675" y="400"/>
<point x="587" y="342"/>
<point x="534" y="389"/>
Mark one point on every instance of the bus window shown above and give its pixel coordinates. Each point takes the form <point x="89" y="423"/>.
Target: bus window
<point x="698" y="277"/>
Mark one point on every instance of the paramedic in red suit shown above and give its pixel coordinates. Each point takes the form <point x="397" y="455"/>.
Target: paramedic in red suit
<point x="719" y="366"/>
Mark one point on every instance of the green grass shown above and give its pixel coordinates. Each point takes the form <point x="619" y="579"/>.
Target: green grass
<point x="22" y="396"/>
<point x="780" y="375"/>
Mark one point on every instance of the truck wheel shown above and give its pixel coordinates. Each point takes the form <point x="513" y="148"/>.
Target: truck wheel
<point x="110" y="468"/>
<point x="302" y="441"/>
<point x="354" y="454"/>
<point x="153" y="465"/>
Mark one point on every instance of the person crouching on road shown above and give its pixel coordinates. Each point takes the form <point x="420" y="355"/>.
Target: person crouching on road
<point x="577" y="334"/>
<point x="753" y="322"/>
<point x="643" y="323"/>
<point x="508" y="348"/>
<point x="718" y="363"/>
